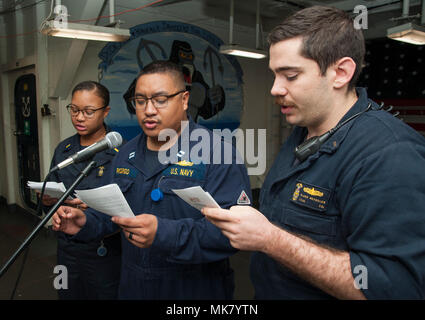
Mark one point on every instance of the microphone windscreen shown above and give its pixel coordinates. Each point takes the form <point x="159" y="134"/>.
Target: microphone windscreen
<point x="114" y="139"/>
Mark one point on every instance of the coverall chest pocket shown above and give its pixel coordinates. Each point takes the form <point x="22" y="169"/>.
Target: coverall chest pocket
<point x="167" y="184"/>
<point x="172" y="203"/>
<point x="320" y="228"/>
<point x="124" y="184"/>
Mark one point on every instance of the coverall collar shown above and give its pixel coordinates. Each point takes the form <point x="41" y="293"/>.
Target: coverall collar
<point x="74" y="146"/>
<point x="137" y="160"/>
<point x="329" y="147"/>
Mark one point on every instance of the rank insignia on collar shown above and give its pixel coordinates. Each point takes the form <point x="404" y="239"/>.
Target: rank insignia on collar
<point x="131" y="155"/>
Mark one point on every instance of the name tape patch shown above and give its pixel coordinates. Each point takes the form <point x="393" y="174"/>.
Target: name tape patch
<point x="186" y="169"/>
<point x="310" y="196"/>
<point x="126" y="171"/>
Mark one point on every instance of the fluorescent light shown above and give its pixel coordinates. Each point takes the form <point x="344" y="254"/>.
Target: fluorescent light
<point x="408" y="32"/>
<point x="84" y="31"/>
<point x="237" y="50"/>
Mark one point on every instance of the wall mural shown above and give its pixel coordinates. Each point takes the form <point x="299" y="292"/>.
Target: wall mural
<point x="214" y="80"/>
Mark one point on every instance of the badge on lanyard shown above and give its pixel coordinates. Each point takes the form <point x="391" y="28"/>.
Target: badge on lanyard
<point x="102" y="251"/>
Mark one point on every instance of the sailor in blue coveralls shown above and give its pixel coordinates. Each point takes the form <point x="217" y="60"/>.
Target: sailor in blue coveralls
<point x="345" y="220"/>
<point x="170" y="251"/>
<point x="93" y="268"/>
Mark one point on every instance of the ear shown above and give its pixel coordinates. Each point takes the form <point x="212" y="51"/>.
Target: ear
<point x="185" y="97"/>
<point x="344" y="70"/>
<point x="106" y="112"/>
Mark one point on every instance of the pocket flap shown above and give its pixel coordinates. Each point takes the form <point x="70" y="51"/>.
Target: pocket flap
<point x="169" y="183"/>
<point x="311" y="223"/>
<point x="124" y="184"/>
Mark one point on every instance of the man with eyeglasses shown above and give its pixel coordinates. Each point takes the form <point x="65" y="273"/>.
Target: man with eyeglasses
<point x="170" y="251"/>
<point x="93" y="267"/>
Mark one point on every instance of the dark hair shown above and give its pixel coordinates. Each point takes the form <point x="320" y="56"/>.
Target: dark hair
<point x="100" y="90"/>
<point x="164" y="66"/>
<point x="328" y="35"/>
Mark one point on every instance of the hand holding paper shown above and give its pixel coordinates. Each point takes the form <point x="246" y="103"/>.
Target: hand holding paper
<point x="107" y="199"/>
<point x="52" y="189"/>
<point x="197" y="197"/>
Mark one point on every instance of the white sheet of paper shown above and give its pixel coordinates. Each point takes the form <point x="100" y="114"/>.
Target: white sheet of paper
<point x="107" y="199"/>
<point x="53" y="189"/>
<point x="196" y="197"/>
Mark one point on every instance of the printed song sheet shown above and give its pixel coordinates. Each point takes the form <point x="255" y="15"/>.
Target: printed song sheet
<point x="53" y="189"/>
<point x="107" y="199"/>
<point x="196" y="197"/>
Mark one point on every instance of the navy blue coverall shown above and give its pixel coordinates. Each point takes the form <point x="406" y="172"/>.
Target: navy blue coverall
<point x="188" y="258"/>
<point x="93" y="267"/>
<point x="363" y="192"/>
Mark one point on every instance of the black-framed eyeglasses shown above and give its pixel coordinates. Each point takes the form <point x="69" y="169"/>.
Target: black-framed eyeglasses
<point x="87" y="112"/>
<point x="159" y="101"/>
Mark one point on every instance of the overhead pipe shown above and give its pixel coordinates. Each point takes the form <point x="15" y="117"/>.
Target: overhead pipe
<point x="405" y="12"/>
<point x="257" y="26"/>
<point x="234" y="49"/>
<point x="406" y="5"/>
<point x="231" y="19"/>
<point x="111" y="11"/>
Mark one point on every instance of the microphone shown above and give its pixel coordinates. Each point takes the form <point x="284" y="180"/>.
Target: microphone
<point x="111" y="140"/>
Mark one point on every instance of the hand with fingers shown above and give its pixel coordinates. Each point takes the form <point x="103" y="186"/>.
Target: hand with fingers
<point x="77" y="203"/>
<point x="68" y="220"/>
<point x="47" y="200"/>
<point x="140" y="230"/>
<point x="246" y="227"/>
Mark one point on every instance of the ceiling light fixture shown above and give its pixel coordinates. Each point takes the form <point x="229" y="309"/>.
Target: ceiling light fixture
<point x="408" y="32"/>
<point x="60" y="27"/>
<point x="237" y="50"/>
<point x="86" y="32"/>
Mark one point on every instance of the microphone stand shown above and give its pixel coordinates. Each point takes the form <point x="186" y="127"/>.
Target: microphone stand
<point x="27" y="241"/>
